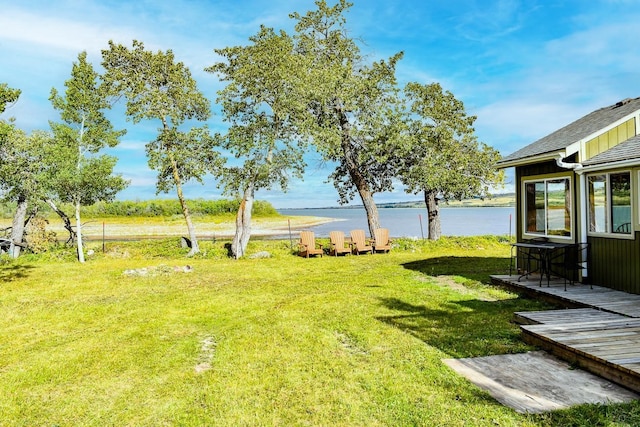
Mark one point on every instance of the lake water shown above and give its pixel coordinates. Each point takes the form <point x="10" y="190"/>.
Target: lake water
<point x="407" y="222"/>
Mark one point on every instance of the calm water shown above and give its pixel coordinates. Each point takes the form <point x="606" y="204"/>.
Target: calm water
<point x="406" y="222"/>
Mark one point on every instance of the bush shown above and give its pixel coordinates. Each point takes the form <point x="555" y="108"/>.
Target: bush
<point x="39" y="239"/>
<point x="154" y="208"/>
<point x="170" y="207"/>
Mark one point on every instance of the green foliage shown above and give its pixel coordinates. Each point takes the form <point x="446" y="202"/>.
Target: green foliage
<point x="260" y="101"/>
<point x="156" y="87"/>
<point x="154" y="208"/>
<point x="76" y="174"/>
<point x="440" y="152"/>
<point x="167" y="208"/>
<point x="7" y="96"/>
<point x="352" y="107"/>
<point x="39" y="239"/>
<point x="23" y="164"/>
<point x="262" y="108"/>
<point x="7" y="209"/>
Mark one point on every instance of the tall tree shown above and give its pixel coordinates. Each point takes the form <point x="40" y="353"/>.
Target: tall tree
<point x="79" y="175"/>
<point x="157" y="87"/>
<point x="21" y="176"/>
<point x="353" y="106"/>
<point x="14" y="184"/>
<point x="260" y="105"/>
<point x="440" y="155"/>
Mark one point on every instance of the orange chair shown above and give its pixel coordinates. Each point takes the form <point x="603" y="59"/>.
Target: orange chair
<point x="308" y="245"/>
<point x="381" y="242"/>
<point x="359" y="244"/>
<point x="336" y="240"/>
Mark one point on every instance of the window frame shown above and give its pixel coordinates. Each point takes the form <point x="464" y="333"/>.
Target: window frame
<point x="609" y="205"/>
<point x="545" y="179"/>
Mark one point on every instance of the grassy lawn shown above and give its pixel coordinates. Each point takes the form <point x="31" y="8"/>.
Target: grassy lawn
<point x="271" y="341"/>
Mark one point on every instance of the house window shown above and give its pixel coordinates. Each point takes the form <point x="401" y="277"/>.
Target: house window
<point x="548" y="207"/>
<point x="610" y="203"/>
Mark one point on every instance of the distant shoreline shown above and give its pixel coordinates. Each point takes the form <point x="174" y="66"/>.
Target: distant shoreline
<point x="118" y="228"/>
<point x="501" y="201"/>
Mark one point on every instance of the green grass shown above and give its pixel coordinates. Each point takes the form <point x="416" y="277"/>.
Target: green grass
<point x="276" y="341"/>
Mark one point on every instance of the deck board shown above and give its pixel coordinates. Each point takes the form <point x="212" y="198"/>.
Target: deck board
<point x="577" y="295"/>
<point x="577" y="315"/>
<point x="598" y="330"/>
<point x="537" y="382"/>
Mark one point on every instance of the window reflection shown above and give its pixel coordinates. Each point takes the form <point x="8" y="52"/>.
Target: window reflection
<point x="548" y="207"/>
<point x="610" y="203"/>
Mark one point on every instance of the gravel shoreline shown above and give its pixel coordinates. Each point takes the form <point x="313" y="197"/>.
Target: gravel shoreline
<point x="139" y="228"/>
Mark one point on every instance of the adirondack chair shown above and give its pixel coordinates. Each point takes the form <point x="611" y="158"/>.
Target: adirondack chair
<point x="359" y="244"/>
<point x="308" y="245"/>
<point x="336" y="240"/>
<point x="381" y="242"/>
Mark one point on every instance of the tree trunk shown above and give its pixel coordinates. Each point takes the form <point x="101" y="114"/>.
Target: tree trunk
<point x="433" y="214"/>
<point x="371" y="209"/>
<point x="65" y="219"/>
<point x="195" y="249"/>
<point x="79" y="243"/>
<point x="243" y="223"/>
<point x="358" y="179"/>
<point x="17" y="227"/>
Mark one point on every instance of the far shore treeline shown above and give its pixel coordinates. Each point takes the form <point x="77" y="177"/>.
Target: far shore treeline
<point x="227" y="207"/>
<point x="155" y="208"/>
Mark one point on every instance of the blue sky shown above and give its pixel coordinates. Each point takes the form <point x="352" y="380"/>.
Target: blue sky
<point x="524" y="68"/>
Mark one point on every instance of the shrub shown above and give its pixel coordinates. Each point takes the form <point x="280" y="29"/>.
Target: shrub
<point x="154" y="208"/>
<point x="39" y="239"/>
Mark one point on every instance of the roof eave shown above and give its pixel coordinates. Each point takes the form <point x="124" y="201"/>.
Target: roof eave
<point x="610" y="165"/>
<point x="525" y="161"/>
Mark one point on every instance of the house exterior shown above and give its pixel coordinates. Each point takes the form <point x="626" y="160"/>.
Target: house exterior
<point x="581" y="184"/>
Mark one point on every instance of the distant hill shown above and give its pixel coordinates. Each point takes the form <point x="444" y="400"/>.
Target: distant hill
<point x="497" y="201"/>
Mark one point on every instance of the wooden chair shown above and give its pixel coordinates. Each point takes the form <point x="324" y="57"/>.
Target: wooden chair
<point x="308" y="245"/>
<point x="359" y="243"/>
<point x="336" y="240"/>
<point x="381" y="240"/>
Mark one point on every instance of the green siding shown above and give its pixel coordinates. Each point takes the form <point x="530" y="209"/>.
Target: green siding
<point x="545" y="168"/>
<point x="614" y="263"/>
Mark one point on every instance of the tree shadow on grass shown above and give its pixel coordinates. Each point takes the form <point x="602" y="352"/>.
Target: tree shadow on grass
<point x="9" y="273"/>
<point x="469" y="328"/>
<point x="473" y="268"/>
<point x="463" y="327"/>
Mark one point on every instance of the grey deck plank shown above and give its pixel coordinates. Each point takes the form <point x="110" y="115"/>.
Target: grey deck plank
<point x="604" y="334"/>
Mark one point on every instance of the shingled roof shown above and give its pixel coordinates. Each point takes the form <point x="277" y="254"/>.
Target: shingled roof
<point x="576" y="131"/>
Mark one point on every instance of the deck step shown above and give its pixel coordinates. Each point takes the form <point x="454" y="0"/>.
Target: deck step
<point x="599" y="329"/>
<point x="576" y="296"/>
<point x="607" y="347"/>
<point x="567" y="316"/>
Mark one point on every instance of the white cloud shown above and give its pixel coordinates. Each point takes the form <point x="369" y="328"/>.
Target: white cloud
<point x="53" y="35"/>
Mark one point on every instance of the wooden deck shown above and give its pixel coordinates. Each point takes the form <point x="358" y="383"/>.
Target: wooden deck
<point x="599" y="329"/>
